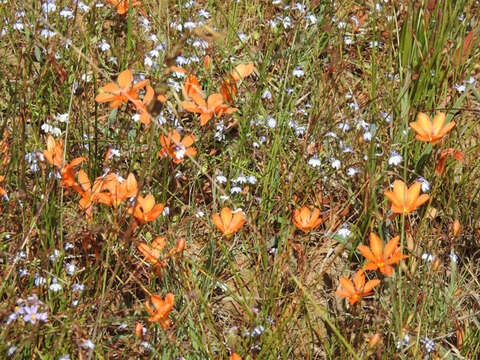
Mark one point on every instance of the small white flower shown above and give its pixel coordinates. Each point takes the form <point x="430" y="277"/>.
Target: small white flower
<point x="314" y="161"/>
<point x="395" y="158"/>
<point x="11" y="350"/>
<point x="429" y="344"/>
<point x="298" y="72"/>
<point x="267" y="94"/>
<point x="335" y="163"/>
<point x="257" y="330"/>
<point x="344" y="232"/>
<point x="88" y="344"/>
<point x="347" y="40"/>
<point x="199" y="213"/>
<point x="39" y="280"/>
<point x="454" y="257"/>
<point x="148" y="61"/>
<point x="55" y="287"/>
<point x="103" y="45"/>
<point x="252" y="179"/>
<point x="221" y="179"/>
<point x="271" y="122"/>
<point x="146" y="345"/>
<point x="425" y="184"/>
<point x="367" y="136"/>
<point x="78" y="287"/>
<point x="166" y="211"/>
<point x="460" y="88"/>
<point x="429" y="257"/>
<point x="404" y="342"/>
<point x="352" y="171"/>
<point x="70" y="268"/>
<point x="235" y="190"/>
<point x="63" y="118"/>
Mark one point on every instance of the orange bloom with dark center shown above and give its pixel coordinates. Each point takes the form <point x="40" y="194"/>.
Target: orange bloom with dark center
<point x="357" y="289"/>
<point x="381" y="258"/>
<point x="54" y="152"/>
<point x="213" y="106"/>
<point x="121" y="93"/>
<point x="176" y="149"/>
<point x="122" y="5"/>
<point x="405" y="200"/>
<point x="306" y="220"/>
<point x="145" y="209"/>
<point x="161" y="309"/>
<point x="431" y="131"/>
<point x="227" y="222"/>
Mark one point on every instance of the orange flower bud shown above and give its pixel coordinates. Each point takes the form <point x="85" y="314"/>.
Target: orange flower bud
<point x="206" y="62"/>
<point x="180" y="245"/>
<point x="139" y="330"/>
<point x="374" y="340"/>
<point x="456" y="228"/>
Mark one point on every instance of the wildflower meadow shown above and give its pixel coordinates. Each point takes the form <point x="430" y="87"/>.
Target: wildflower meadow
<point x="239" y="179"/>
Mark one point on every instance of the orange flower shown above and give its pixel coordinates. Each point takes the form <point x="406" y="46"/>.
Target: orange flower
<point x="357" y="289"/>
<point x="306" y="220"/>
<point x="141" y="105"/>
<point x="121" y="93"/>
<point x="54" y="152"/>
<point x="213" y="106"/>
<point x="91" y="194"/>
<point x="242" y="71"/>
<point x="192" y="87"/>
<point x="145" y="209"/>
<point x="119" y="191"/>
<point x="235" y="356"/>
<point x="228" y="90"/>
<point x="229" y="86"/>
<point x="162" y="308"/>
<point x="122" y="5"/>
<point x="228" y="223"/>
<point x="431" y="131"/>
<point x="381" y="258"/>
<point x="442" y="159"/>
<point x="152" y="253"/>
<point x="405" y="200"/>
<point x="176" y="149"/>
<point x="68" y="174"/>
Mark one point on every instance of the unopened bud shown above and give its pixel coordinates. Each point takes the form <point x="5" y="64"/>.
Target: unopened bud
<point x="206" y="62"/>
<point x="139" y="330"/>
<point x="180" y="245"/>
<point x="375" y="339"/>
<point x="456" y="228"/>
